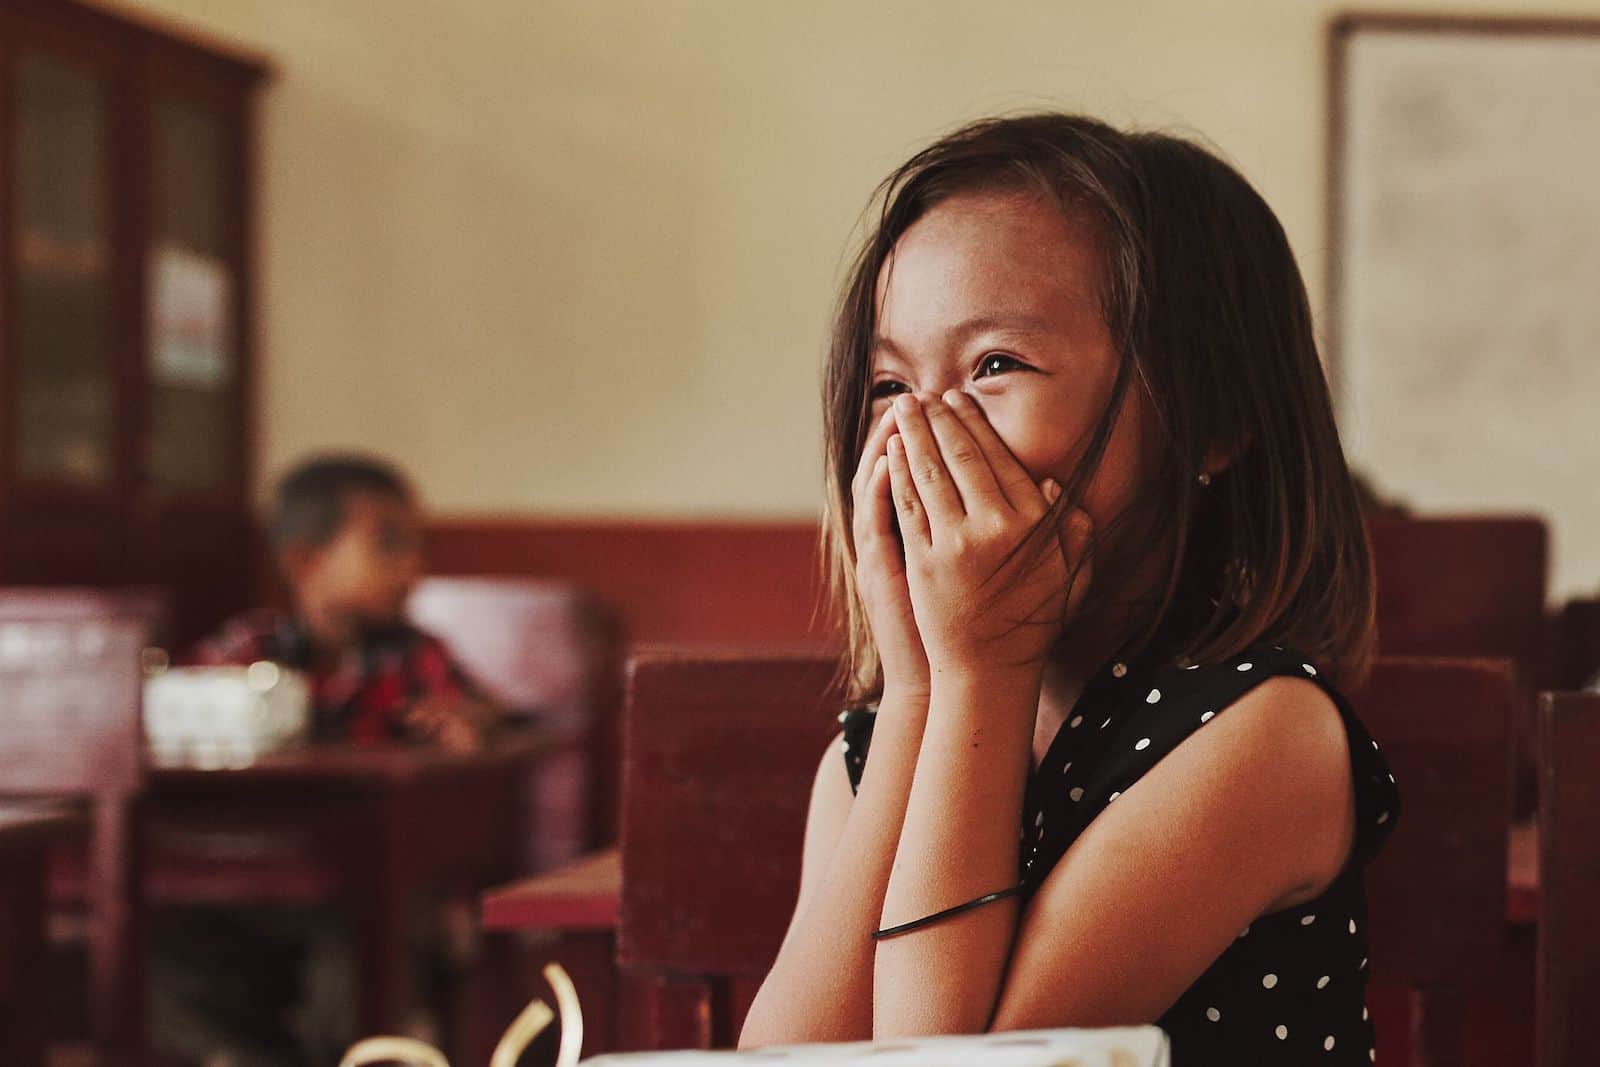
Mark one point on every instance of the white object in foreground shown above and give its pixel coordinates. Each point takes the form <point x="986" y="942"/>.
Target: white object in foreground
<point x="1112" y="1046"/>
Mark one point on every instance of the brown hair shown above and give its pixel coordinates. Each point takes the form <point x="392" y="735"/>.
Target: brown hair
<point x="1202" y="297"/>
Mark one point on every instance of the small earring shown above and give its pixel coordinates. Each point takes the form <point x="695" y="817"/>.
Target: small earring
<point x="1205" y="478"/>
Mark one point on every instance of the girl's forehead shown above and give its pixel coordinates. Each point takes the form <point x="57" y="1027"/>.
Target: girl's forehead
<point x="998" y="258"/>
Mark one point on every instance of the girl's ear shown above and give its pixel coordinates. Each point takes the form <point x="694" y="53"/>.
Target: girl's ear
<point x="1220" y="456"/>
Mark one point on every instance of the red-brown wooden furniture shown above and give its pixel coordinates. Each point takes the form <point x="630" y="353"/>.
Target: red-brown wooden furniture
<point x="1442" y="724"/>
<point x="1462" y="586"/>
<point x="1437" y="892"/>
<point x="70" y="699"/>
<point x="1576" y="643"/>
<point x="127" y="160"/>
<point x="679" y="581"/>
<point x="1470" y="586"/>
<point x="570" y="915"/>
<point x="1568" y="960"/>
<point x="583" y="895"/>
<point x="719" y="752"/>
<point x="26" y="833"/>
<point x="374" y="827"/>
<point x="550" y="651"/>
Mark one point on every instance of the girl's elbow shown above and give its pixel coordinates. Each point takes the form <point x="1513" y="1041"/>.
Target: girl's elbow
<point x="757" y="1030"/>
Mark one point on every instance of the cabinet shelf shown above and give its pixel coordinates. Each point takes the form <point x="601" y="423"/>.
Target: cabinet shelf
<point x="126" y="309"/>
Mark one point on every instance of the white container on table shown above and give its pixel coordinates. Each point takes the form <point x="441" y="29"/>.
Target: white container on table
<point x="224" y="716"/>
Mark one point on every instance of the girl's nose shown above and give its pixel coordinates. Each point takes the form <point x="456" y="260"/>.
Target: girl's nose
<point x="938" y="395"/>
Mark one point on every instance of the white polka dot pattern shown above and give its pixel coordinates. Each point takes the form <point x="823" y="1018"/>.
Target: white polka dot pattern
<point x="1290" y="987"/>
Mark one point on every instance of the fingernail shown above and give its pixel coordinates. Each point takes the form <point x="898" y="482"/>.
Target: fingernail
<point x="905" y="402"/>
<point x="1052" y="491"/>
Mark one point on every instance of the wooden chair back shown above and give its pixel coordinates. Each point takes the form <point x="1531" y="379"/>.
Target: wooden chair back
<point x="71" y="683"/>
<point x="1576" y="644"/>
<point x="1568" y="951"/>
<point x="1437" y="892"/>
<point x="719" y="753"/>
<point x="1470" y="586"/>
<point x="1462" y="586"/>
<point x="552" y="651"/>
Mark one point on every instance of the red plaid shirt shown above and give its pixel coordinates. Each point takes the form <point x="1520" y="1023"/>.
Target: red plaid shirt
<point x="363" y="697"/>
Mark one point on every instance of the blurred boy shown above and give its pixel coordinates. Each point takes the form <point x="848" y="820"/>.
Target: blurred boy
<point x="251" y="987"/>
<point x="348" y="543"/>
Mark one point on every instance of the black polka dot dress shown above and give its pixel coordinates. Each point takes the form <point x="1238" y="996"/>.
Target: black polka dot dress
<point x="1291" y="988"/>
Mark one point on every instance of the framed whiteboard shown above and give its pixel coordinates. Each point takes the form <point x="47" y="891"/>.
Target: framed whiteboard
<point x="1463" y="329"/>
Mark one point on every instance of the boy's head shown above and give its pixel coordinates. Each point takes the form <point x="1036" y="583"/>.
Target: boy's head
<point x="348" y="539"/>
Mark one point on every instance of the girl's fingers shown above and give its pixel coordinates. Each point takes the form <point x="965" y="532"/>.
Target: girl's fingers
<point x="968" y="465"/>
<point x="907" y="501"/>
<point x="871" y="449"/>
<point x="875" y="511"/>
<point x="1013" y="479"/>
<point x="934" y="486"/>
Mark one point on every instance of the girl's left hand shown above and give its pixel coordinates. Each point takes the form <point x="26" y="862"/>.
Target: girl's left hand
<point x="965" y="504"/>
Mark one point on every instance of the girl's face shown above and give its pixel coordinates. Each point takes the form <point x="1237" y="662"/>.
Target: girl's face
<point x="995" y="294"/>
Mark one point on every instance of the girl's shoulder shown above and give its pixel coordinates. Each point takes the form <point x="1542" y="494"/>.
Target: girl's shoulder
<point x="1172" y="702"/>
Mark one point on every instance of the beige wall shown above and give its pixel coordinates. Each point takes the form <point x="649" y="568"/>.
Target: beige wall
<point x="578" y="257"/>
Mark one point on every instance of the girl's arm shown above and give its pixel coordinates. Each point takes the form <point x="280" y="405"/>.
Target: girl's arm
<point x="1248" y="815"/>
<point x="959" y="842"/>
<point x="820" y="986"/>
<point x="988" y="613"/>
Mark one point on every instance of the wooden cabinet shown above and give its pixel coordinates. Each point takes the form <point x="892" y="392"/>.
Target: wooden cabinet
<point x="126" y="307"/>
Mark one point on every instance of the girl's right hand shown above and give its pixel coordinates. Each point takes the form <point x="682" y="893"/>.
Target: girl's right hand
<point x="881" y="568"/>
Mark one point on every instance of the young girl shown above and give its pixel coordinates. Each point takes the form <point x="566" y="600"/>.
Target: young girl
<point x="1103" y="573"/>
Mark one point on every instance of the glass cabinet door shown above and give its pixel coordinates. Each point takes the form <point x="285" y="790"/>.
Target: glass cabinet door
<point x="192" y="292"/>
<point x="62" y="295"/>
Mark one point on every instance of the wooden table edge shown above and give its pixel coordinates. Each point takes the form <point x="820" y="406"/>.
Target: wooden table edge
<point x="584" y="895"/>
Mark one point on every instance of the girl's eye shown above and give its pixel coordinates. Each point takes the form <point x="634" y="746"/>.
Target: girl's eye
<point x="998" y="357"/>
<point x="882" y="388"/>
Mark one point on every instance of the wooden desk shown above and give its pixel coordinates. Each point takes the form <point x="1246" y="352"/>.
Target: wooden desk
<point x="26" y="833"/>
<point x="373" y="827"/>
<point x="581" y="896"/>
<point x="577" y="906"/>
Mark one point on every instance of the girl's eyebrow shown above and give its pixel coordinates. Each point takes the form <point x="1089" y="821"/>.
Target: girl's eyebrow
<point x="1013" y="323"/>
